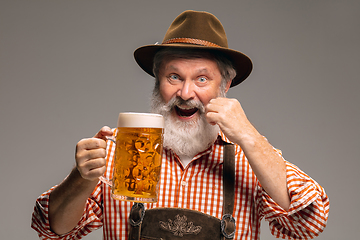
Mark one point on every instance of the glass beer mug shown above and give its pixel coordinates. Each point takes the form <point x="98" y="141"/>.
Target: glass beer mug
<point x="137" y="161"/>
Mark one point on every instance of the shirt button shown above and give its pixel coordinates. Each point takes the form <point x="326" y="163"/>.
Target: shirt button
<point x="183" y="183"/>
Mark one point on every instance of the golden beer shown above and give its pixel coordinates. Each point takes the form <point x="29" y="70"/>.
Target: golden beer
<point x="137" y="162"/>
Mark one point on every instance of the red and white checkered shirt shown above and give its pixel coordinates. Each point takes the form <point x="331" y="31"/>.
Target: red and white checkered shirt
<point x="198" y="186"/>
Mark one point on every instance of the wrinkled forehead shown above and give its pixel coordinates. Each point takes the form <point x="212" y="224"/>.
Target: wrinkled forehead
<point x="199" y="64"/>
<point x="170" y="61"/>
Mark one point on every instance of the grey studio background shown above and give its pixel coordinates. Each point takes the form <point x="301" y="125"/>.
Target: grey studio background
<point x="66" y="69"/>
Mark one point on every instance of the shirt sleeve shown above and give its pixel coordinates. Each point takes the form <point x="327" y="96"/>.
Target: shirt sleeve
<point x="308" y="212"/>
<point x="91" y="219"/>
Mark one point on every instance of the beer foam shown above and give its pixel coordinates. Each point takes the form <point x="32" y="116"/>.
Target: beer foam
<point x="140" y="120"/>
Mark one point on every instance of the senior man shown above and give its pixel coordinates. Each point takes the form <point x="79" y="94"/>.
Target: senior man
<point x="193" y="69"/>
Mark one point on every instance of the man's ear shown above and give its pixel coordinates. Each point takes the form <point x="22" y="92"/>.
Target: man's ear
<point x="228" y="84"/>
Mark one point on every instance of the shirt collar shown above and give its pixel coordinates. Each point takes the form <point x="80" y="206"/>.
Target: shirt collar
<point x="223" y="138"/>
<point x="219" y="141"/>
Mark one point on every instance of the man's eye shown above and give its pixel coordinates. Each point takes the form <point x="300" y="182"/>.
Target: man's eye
<point x="174" y="77"/>
<point x="202" y="79"/>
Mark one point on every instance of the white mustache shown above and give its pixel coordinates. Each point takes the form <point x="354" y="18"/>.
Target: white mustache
<point x="179" y="102"/>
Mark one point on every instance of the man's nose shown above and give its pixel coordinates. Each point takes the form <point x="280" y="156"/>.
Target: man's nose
<point x="186" y="91"/>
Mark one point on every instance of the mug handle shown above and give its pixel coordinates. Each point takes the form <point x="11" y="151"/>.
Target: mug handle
<point x="102" y="178"/>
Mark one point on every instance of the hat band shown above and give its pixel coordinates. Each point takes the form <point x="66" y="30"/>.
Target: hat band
<point x="191" y="41"/>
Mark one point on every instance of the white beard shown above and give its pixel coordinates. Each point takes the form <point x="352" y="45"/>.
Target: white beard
<point x="185" y="138"/>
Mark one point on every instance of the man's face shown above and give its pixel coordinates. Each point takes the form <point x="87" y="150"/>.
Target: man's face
<point x="196" y="79"/>
<point x="185" y="88"/>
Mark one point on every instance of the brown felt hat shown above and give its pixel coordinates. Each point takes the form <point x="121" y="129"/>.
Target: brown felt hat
<point x="197" y="30"/>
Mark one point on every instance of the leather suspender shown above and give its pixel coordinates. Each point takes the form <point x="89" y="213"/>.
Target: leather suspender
<point x="228" y="221"/>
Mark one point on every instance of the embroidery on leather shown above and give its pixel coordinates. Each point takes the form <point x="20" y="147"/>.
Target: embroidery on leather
<point x="180" y="226"/>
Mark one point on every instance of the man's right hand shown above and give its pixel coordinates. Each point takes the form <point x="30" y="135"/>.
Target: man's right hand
<point x="90" y="155"/>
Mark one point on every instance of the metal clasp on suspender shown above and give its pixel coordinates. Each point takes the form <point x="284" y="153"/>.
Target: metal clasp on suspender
<point x="228" y="221"/>
<point x="142" y="214"/>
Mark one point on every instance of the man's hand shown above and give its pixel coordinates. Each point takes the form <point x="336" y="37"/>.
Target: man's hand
<point x="231" y="118"/>
<point x="67" y="200"/>
<point x="90" y="155"/>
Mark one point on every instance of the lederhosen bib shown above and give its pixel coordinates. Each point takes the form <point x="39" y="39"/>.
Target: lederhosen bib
<point x="185" y="224"/>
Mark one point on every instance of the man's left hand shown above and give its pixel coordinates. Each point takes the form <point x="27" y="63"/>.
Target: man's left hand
<point x="231" y="118"/>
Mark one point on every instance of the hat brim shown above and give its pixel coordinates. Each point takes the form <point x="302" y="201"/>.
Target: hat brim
<point x="144" y="57"/>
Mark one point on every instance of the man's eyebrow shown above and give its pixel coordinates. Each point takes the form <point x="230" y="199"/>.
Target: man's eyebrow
<point x="171" y="67"/>
<point x="201" y="70"/>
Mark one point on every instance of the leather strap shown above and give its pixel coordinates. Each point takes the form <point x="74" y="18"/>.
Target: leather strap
<point x="228" y="222"/>
<point x="228" y="178"/>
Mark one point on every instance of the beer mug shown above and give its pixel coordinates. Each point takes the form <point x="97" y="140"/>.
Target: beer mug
<point x="137" y="161"/>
